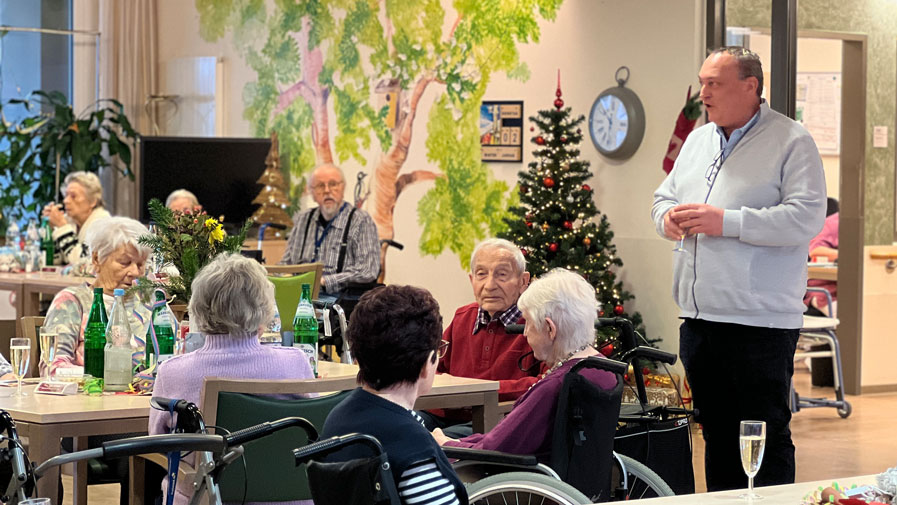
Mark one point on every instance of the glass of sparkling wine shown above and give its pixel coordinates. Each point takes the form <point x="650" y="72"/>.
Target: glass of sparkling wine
<point x="20" y="351"/>
<point x="48" y="349"/>
<point x="752" y="437"/>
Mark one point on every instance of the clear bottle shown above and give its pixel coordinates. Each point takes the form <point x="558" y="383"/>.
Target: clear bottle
<point x="95" y="335"/>
<point x="271" y="335"/>
<point x="12" y="235"/>
<point x="32" y="235"/>
<point x="305" y="327"/>
<point x="162" y="324"/>
<point x="117" y="367"/>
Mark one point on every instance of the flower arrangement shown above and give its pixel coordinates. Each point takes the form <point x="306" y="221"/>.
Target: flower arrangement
<point x="188" y="242"/>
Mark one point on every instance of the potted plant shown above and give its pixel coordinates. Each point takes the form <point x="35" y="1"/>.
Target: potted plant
<point x="188" y="242"/>
<point x="51" y="136"/>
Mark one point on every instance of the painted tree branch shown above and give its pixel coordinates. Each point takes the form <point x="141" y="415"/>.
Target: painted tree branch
<point x="415" y="176"/>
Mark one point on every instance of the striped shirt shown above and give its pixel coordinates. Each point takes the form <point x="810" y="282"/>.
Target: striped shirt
<point x="510" y="316"/>
<point x="423" y="483"/>
<point x="362" y="262"/>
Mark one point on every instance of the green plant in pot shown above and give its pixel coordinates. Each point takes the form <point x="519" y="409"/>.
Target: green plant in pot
<point x="51" y="135"/>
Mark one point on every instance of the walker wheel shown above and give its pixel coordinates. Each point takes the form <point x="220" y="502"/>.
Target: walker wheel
<point x="845" y="411"/>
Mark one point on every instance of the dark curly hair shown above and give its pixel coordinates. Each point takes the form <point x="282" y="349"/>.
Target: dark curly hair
<point x="394" y="330"/>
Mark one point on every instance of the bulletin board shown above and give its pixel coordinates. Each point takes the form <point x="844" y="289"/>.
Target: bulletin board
<point x="818" y="108"/>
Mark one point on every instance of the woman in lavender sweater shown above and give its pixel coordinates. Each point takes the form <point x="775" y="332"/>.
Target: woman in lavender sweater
<point x="560" y="310"/>
<point x="232" y="299"/>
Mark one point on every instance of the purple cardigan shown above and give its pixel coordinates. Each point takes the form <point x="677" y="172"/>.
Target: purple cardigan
<point x="527" y="429"/>
<point x="231" y="356"/>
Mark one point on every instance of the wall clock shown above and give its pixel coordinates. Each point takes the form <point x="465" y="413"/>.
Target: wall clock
<point x="617" y="119"/>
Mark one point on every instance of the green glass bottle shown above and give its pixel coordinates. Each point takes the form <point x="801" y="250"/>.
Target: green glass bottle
<point x="305" y="328"/>
<point x="95" y="335"/>
<point x="161" y="322"/>
<point x="47" y="243"/>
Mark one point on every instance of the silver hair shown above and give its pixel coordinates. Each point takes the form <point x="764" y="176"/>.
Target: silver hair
<point x="91" y="184"/>
<point x="500" y="243"/>
<point x="231" y="295"/>
<point x="748" y="64"/>
<point x="181" y="193"/>
<point x="107" y="235"/>
<point x="567" y="299"/>
<point x="311" y="176"/>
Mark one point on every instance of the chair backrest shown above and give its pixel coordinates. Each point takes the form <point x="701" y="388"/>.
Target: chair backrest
<point x="272" y="474"/>
<point x="583" y="438"/>
<point x="30" y="328"/>
<point x="288" y="281"/>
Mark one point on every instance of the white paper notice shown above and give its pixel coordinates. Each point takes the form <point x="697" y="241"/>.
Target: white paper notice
<point x="880" y="136"/>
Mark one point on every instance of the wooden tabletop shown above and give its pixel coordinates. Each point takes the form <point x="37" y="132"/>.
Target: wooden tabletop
<point x="827" y="273"/>
<point x="48" y="409"/>
<point x="789" y="494"/>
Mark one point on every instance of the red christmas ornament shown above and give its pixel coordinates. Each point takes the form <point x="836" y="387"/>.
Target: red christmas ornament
<point x="529" y="224"/>
<point x="600" y="313"/>
<point x="540" y="140"/>
<point x="618" y="310"/>
<point x="524" y="252"/>
<point x="607" y="350"/>
<point x="586" y="187"/>
<point x="563" y="140"/>
<point x="646" y="371"/>
<point x="523" y="189"/>
<point x="579" y="131"/>
<point x="587" y="241"/>
<point x="568" y="225"/>
<point x="558" y="103"/>
<point x="532" y="128"/>
<point x="548" y="182"/>
<point x="553" y="247"/>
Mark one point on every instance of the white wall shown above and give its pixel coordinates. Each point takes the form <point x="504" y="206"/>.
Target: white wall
<point x="661" y="41"/>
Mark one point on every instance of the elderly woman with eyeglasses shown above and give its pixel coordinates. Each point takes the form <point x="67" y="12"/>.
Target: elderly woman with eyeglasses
<point x="560" y="310"/>
<point x="83" y="207"/>
<point x="396" y="336"/>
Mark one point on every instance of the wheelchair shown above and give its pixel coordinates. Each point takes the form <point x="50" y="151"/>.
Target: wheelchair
<point x="582" y="466"/>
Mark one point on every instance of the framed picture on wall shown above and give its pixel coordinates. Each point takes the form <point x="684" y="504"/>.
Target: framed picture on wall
<point x="501" y="131"/>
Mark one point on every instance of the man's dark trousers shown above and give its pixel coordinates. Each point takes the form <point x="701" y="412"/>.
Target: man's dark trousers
<point x="738" y="373"/>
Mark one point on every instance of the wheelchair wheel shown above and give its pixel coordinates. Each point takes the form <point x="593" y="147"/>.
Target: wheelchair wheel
<point x="640" y="482"/>
<point x="523" y="488"/>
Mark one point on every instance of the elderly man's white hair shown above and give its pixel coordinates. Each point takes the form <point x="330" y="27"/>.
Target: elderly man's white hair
<point x="311" y="176"/>
<point x="231" y="295"/>
<point x="91" y="184"/>
<point x="181" y="193"/>
<point x="500" y="243"/>
<point x="105" y="236"/>
<point x="568" y="300"/>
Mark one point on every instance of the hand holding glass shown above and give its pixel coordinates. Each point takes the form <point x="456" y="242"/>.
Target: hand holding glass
<point x="48" y="349"/>
<point x="20" y="359"/>
<point x="752" y="437"/>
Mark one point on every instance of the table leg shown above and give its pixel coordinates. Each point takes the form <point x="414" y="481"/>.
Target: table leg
<point x="137" y="484"/>
<point x="486" y="416"/>
<point x="43" y="444"/>
<point x="30" y="303"/>
<point x="79" y="473"/>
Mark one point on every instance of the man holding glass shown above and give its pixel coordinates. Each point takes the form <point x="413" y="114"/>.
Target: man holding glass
<point x="746" y="195"/>
<point x="339" y="235"/>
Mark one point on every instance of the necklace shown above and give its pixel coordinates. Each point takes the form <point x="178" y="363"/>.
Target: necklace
<point x="561" y="362"/>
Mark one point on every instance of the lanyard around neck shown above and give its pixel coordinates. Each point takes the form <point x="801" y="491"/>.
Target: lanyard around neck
<point x="320" y="235"/>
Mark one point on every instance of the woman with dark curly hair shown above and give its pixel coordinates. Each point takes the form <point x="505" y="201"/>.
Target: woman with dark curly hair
<point x="396" y="337"/>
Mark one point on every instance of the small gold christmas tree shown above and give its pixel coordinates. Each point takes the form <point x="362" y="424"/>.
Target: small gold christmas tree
<point x="272" y="197"/>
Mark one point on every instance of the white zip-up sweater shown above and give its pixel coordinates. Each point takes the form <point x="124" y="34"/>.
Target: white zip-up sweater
<point x="772" y="189"/>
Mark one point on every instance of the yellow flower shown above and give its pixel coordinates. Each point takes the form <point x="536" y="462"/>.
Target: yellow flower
<point x="211" y="223"/>
<point x="217" y="234"/>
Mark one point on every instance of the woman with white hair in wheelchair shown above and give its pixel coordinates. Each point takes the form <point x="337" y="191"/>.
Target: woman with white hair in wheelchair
<point x="560" y="310"/>
<point x="396" y="336"/>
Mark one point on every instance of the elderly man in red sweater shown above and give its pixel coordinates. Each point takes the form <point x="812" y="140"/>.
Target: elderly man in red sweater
<point x="479" y="346"/>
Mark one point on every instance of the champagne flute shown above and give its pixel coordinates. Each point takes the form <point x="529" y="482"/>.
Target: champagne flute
<point x="680" y="244"/>
<point x="752" y="437"/>
<point x="20" y="352"/>
<point x="48" y="349"/>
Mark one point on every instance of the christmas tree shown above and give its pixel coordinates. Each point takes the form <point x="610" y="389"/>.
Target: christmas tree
<point x="555" y="222"/>
<point x="272" y="197"/>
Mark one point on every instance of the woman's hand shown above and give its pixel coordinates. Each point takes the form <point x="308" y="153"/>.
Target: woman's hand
<point x="441" y="438"/>
<point x="53" y="212"/>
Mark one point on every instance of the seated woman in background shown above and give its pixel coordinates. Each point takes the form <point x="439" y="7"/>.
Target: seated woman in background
<point x="232" y="300"/>
<point x="560" y="310"/>
<point x="396" y="336"/>
<point x="824" y="245"/>
<point x="83" y="207"/>
<point x="118" y="261"/>
<point x="184" y="201"/>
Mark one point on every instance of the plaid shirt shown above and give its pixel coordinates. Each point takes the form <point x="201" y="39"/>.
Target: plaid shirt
<point x="510" y="316"/>
<point x="362" y="263"/>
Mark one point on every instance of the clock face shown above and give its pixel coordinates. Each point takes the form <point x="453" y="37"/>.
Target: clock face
<point x="608" y="123"/>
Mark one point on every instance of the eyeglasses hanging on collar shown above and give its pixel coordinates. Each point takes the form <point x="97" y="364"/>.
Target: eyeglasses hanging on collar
<point x="714" y="168"/>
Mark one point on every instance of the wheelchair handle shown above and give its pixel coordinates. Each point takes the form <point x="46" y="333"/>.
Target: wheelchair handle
<point x="330" y="445"/>
<point x="602" y="363"/>
<point x="260" y="430"/>
<point x="617" y="322"/>
<point x="644" y="351"/>
<point x="160" y="403"/>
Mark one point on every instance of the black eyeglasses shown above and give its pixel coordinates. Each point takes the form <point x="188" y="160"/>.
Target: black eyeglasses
<point x="442" y="348"/>
<point x="714" y="168"/>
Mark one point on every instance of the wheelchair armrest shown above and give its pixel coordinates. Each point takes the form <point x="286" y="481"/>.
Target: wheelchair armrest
<point x="502" y="458"/>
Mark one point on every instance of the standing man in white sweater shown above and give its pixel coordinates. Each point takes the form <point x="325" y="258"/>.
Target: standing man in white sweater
<point x="746" y="195"/>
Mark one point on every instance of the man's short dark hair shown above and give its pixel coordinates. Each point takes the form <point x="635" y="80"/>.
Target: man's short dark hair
<point x="748" y="64"/>
<point x="394" y="329"/>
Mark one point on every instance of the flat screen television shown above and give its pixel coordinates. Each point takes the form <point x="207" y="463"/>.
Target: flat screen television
<point x="221" y="172"/>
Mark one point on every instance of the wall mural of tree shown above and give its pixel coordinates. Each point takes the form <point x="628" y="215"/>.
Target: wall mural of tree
<point x="307" y="53"/>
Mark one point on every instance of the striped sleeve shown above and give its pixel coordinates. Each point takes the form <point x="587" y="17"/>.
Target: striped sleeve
<point x="423" y="483"/>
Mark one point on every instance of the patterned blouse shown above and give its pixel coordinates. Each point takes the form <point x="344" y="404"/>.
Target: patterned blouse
<point x="68" y="315"/>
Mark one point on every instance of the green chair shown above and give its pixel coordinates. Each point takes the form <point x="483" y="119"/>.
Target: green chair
<point x="287" y="289"/>
<point x="270" y="468"/>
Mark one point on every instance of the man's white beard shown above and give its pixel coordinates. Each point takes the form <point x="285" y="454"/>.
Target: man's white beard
<point x="329" y="211"/>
